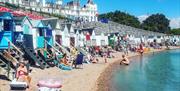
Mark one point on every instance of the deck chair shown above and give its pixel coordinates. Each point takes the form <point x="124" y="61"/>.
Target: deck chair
<point x="79" y="60"/>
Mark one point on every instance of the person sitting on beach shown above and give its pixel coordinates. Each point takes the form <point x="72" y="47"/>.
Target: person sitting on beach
<point x="64" y="60"/>
<point x="124" y="60"/>
<point x="22" y="73"/>
<point x="105" y="54"/>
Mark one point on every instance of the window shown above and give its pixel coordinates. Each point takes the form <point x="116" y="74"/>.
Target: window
<point x="102" y="42"/>
<point x="8" y="25"/>
<point x="41" y="32"/>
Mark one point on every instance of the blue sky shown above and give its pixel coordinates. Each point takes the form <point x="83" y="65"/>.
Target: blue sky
<point x="171" y="8"/>
<point x="141" y="8"/>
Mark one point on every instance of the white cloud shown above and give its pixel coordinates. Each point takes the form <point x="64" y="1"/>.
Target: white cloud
<point x="142" y="17"/>
<point x="175" y="22"/>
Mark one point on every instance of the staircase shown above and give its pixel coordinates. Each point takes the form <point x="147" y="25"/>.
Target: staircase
<point x="63" y="49"/>
<point x="6" y="68"/>
<point x="82" y="51"/>
<point x="31" y="55"/>
<point x="49" y="61"/>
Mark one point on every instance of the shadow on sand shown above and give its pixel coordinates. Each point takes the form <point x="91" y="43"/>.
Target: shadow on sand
<point x="3" y="77"/>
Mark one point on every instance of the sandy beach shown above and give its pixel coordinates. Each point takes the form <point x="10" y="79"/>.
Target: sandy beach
<point x="93" y="77"/>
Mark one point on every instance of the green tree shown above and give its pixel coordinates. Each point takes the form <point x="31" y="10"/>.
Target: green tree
<point x="122" y="18"/>
<point x="174" y="31"/>
<point x="156" y="23"/>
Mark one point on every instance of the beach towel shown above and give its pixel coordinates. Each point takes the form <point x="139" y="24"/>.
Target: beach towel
<point x="64" y="67"/>
<point x="49" y="85"/>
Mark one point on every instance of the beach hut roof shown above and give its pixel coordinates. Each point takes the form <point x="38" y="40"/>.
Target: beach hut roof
<point x="68" y="26"/>
<point x="19" y="20"/>
<point x="38" y="24"/>
<point x="6" y="15"/>
<point x="52" y="22"/>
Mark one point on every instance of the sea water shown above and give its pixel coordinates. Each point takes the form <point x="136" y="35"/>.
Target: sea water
<point x="153" y="72"/>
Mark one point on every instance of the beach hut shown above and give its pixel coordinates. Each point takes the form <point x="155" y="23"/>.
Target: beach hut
<point x="72" y="35"/>
<point x="93" y="39"/>
<point x="23" y="31"/>
<point x="6" y="29"/>
<point x="112" y="40"/>
<point x="82" y="39"/>
<point x="58" y="32"/>
<point x="101" y="40"/>
<point x="52" y="25"/>
<point x="78" y="39"/>
<point x="65" y="36"/>
<point x="39" y="33"/>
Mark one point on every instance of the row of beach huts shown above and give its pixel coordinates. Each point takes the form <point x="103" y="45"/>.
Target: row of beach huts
<point x="34" y="33"/>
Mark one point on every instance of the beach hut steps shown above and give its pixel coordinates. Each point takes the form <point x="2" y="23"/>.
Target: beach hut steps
<point x="2" y="64"/>
<point x="32" y="55"/>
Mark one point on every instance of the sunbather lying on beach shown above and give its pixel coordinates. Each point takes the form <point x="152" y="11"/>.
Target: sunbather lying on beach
<point x="124" y="60"/>
<point x="22" y="74"/>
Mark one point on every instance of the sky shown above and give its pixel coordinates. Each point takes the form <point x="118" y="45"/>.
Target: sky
<point x="141" y="8"/>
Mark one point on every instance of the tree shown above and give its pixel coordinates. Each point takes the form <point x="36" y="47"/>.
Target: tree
<point x="175" y="31"/>
<point x="122" y="18"/>
<point x="156" y="23"/>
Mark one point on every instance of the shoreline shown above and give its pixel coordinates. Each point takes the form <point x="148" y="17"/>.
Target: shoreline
<point x="104" y="80"/>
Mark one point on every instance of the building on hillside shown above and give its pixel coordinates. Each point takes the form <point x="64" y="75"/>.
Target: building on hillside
<point x="72" y="9"/>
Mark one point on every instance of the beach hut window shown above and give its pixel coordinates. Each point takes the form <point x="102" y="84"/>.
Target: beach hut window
<point x="8" y="25"/>
<point x="59" y="39"/>
<point x="48" y="32"/>
<point x="158" y="36"/>
<point x="72" y="41"/>
<point x="41" y="32"/>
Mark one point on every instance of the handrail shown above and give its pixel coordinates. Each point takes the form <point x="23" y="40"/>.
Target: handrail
<point x="62" y="48"/>
<point x="14" y="46"/>
<point x="52" y="46"/>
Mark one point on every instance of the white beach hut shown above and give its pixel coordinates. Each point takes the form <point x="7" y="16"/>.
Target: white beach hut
<point x="82" y="39"/>
<point x="65" y="37"/>
<point x="93" y="39"/>
<point x="77" y="38"/>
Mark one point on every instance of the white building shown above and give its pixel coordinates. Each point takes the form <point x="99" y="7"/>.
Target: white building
<point x="71" y="10"/>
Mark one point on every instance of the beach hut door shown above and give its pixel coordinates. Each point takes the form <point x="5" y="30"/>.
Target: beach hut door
<point x="72" y="41"/>
<point x="59" y="39"/>
<point x="26" y="29"/>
